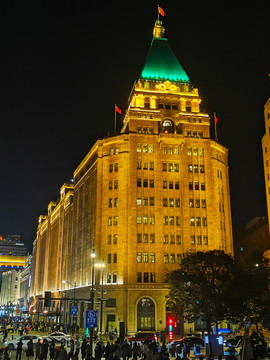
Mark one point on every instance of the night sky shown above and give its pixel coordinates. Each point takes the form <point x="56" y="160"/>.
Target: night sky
<point x="63" y="66"/>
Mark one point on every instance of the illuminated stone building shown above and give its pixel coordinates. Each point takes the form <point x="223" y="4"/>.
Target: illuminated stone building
<point x="266" y="154"/>
<point x="141" y="199"/>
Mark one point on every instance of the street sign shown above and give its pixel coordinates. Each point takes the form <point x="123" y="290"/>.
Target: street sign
<point x="91" y="318"/>
<point x="74" y="311"/>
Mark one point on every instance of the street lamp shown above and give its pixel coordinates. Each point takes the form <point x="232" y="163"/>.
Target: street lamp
<point x="92" y="296"/>
<point x="74" y="301"/>
<point x="101" y="266"/>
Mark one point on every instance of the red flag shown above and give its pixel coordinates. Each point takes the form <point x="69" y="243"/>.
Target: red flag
<point x="216" y="120"/>
<point x="118" y="110"/>
<point x="160" y="10"/>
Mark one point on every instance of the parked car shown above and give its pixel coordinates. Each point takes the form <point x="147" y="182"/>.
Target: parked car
<point x="191" y="341"/>
<point x="57" y="336"/>
<point x="12" y="344"/>
<point x="142" y="336"/>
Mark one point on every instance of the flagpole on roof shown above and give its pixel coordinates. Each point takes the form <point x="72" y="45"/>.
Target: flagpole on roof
<point x="158" y="13"/>
<point x="215" y="121"/>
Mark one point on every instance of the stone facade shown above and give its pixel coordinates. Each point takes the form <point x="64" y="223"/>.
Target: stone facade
<point x="141" y="200"/>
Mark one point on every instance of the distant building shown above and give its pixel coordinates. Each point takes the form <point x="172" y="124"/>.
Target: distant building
<point x="12" y="253"/>
<point x="254" y="237"/>
<point x="10" y="290"/>
<point x="25" y="282"/>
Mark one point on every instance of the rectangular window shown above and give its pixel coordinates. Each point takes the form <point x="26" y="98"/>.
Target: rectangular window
<point x="151" y="183"/>
<point x="139" y="201"/>
<point x="177" y="202"/>
<point x="171" y="220"/>
<point x="151" y="130"/>
<point x="152" y="277"/>
<point x="170" y="150"/>
<point x="164" y="184"/>
<point x="139" y="165"/>
<point x="145" y="165"/>
<point x="192" y="221"/>
<point x="110" y="221"/>
<point x="115" y="220"/>
<point x="205" y="240"/>
<point x="166" y="258"/>
<point x="110" y="185"/>
<point x="178" y="258"/>
<point x="146" y="277"/>
<point x="109" y="278"/>
<point x="114" y="258"/>
<point x="190" y="185"/>
<point x="152" y="201"/>
<point x="191" y="203"/>
<point x="151" y="148"/>
<point x="115" y="238"/>
<point x="139" y="238"/>
<point x="164" y="166"/>
<point x="145" y="201"/>
<point x="145" y="219"/>
<point x="139" y="147"/>
<point x="152" y="258"/>
<point x="172" y="257"/>
<point x="139" y="257"/>
<point x="109" y="258"/>
<point x="204" y="221"/>
<point x="109" y="239"/>
<point x="167" y="107"/>
<point x="198" y="221"/>
<point x="195" y="152"/>
<point x="110" y="203"/>
<point x="178" y="220"/>
<point x="176" y="185"/>
<point x="139" y="130"/>
<point x="116" y="150"/>
<point x="152" y="238"/>
<point x="116" y="184"/>
<point x="170" y="184"/>
<point x="145" y="238"/>
<point x="165" y="220"/>
<point x="197" y="187"/>
<point x="139" y="182"/>
<point x="189" y="167"/>
<point x="178" y="239"/>
<point x="139" y="219"/>
<point x="151" y="165"/>
<point x="189" y="151"/>
<point x="170" y="168"/>
<point x="164" y="150"/>
<point x="202" y="169"/>
<point x="176" y="167"/>
<point x="197" y="203"/>
<point x="196" y="168"/>
<point x="115" y="202"/>
<point x="139" y="277"/>
<point x="165" y="239"/>
<point x="111" y="151"/>
<point x="145" y="182"/>
<point x="171" y="202"/>
<point x="145" y="148"/>
<point x="192" y="240"/>
<point x="199" y="240"/>
<point x="116" y="167"/>
<point x="201" y="152"/>
<point x="172" y="239"/>
<point x="176" y="150"/>
<point x="145" y="257"/>
<point x="152" y="220"/>
<point x="203" y="203"/>
<point x="114" y="278"/>
<point x="111" y="168"/>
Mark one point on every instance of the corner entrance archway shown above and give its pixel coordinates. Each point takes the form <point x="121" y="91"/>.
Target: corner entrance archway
<point x="146" y="315"/>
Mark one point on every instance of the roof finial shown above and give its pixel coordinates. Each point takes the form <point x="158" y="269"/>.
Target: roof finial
<point x="159" y="30"/>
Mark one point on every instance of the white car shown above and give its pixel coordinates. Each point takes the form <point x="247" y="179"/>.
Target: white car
<point x="58" y="336"/>
<point x="12" y="344"/>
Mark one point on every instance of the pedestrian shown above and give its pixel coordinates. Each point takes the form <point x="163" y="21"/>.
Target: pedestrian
<point x="5" y="354"/>
<point x="19" y="350"/>
<point x="83" y="348"/>
<point x="125" y="349"/>
<point x="62" y="354"/>
<point x="98" y="351"/>
<point x="30" y="349"/>
<point x="77" y="345"/>
<point x="38" y="350"/>
<point x="44" y="349"/>
<point x="52" y="350"/>
<point x="135" y="351"/>
<point x="108" y="350"/>
<point x="71" y="352"/>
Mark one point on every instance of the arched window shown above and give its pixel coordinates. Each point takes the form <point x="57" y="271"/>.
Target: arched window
<point x="167" y="126"/>
<point x="146" y="315"/>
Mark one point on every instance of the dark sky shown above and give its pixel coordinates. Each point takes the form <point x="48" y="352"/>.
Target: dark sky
<point x="63" y="66"/>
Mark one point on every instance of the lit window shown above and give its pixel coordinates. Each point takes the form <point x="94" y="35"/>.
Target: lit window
<point x="205" y="240"/>
<point x="139" y="257"/>
<point x="178" y="220"/>
<point x="171" y="220"/>
<point x="189" y="167"/>
<point x="145" y="238"/>
<point x="116" y="167"/>
<point x="139" y="219"/>
<point x="195" y="152"/>
<point x="152" y="277"/>
<point x="145" y="148"/>
<point x="152" y="238"/>
<point x="176" y="150"/>
<point x="178" y="239"/>
<point x="139" y="130"/>
<point x="165" y="239"/>
<point x="176" y="167"/>
<point x="139" y="147"/>
<point x="145" y="219"/>
<point x="199" y="240"/>
<point x="192" y="239"/>
<point x="196" y="168"/>
<point x="139" y="201"/>
<point x="165" y="220"/>
<point x="198" y="221"/>
<point x="189" y="151"/>
<point x="201" y="152"/>
<point x="192" y="221"/>
<point x="111" y="151"/>
<point x="152" y="220"/>
<point x="166" y="258"/>
<point x="197" y="202"/>
<point x="164" y="166"/>
<point x="115" y="220"/>
<point x="172" y="257"/>
<point x="115" y="202"/>
<point x="145" y="257"/>
<point x="117" y="150"/>
<point x="191" y="203"/>
<point x="170" y="168"/>
<point x="171" y="202"/>
<point x="110" y="221"/>
<point x="151" y="148"/>
<point x="203" y="203"/>
<point x="139" y="238"/>
<point x="152" y="258"/>
<point x="115" y="238"/>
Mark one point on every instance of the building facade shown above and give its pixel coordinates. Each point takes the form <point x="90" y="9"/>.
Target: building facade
<point x="266" y="154"/>
<point x="140" y="200"/>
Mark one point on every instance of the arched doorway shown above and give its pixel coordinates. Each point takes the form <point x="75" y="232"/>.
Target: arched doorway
<point x="145" y="315"/>
<point x="167" y="126"/>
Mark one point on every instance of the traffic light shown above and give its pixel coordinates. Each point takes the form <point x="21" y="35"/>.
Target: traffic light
<point x="48" y="297"/>
<point x="170" y="327"/>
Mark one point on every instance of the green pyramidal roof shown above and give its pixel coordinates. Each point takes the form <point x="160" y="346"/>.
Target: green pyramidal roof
<point x="162" y="64"/>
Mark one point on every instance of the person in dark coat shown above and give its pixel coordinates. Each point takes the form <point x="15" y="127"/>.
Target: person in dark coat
<point x="19" y="350"/>
<point x="38" y="350"/>
<point x="72" y="346"/>
<point x="30" y="349"/>
<point x="52" y="350"/>
<point x="125" y="350"/>
<point x="135" y="351"/>
<point x="98" y="351"/>
<point x="44" y="349"/>
<point x="83" y="349"/>
<point x="62" y="354"/>
<point x="108" y="350"/>
<point x="5" y="354"/>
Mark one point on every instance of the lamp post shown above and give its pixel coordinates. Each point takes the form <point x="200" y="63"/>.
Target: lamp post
<point x="74" y="301"/>
<point x="92" y="296"/>
<point x="101" y="266"/>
